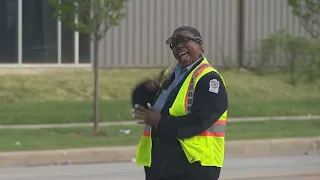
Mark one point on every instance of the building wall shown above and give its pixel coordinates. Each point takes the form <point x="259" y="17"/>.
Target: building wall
<point x="30" y="34"/>
<point x="140" y="38"/>
<point x="139" y="41"/>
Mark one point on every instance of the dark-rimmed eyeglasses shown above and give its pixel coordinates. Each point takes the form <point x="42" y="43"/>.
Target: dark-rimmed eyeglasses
<point x="175" y="41"/>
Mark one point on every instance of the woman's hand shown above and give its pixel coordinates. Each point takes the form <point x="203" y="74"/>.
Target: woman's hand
<point x="148" y="116"/>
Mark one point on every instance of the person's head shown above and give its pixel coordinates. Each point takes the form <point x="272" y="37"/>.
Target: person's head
<point x="186" y="45"/>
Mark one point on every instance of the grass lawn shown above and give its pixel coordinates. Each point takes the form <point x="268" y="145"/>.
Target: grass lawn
<point x="65" y="96"/>
<point x="16" y="140"/>
<point x="117" y="110"/>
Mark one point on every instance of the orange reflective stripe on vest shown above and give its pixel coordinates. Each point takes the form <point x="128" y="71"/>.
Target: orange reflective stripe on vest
<point x="218" y="129"/>
<point x="147" y="131"/>
<point x="189" y="96"/>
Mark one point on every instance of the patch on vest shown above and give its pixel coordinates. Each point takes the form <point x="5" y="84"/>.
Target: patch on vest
<point x="214" y="86"/>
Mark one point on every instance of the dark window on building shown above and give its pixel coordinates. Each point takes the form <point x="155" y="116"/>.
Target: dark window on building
<point x="39" y="32"/>
<point x="84" y="48"/>
<point x="67" y="45"/>
<point x="8" y="31"/>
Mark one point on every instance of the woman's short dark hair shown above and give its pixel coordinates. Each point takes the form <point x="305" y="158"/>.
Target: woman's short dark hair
<point x="192" y="30"/>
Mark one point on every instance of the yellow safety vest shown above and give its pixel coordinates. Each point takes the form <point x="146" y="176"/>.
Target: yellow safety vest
<point x="208" y="146"/>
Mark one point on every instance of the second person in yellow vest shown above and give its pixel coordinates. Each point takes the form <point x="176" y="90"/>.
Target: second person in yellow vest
<point x="184" y="133"/>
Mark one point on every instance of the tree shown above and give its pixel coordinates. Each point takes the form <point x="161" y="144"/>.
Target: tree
<point x="308" y="11"/>
<point x="95" y="18"/>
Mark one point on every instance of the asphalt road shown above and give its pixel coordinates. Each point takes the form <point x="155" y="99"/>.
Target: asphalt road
<point x="263" y="168"/>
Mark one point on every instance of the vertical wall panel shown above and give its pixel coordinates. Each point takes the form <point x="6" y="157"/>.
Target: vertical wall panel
<point x="136" y="58"/>
<point x="139" y="41"/>
<point x="129" y="29"/>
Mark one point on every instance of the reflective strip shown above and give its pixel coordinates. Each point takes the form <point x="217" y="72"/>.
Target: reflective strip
<point x="212" y="134"/>
<point x="221" y="122"/>
<point x="189" y="96"/>
<point x="218" y="129"/>
<point x="201" y="69"/>
<point x="147" y="130"/>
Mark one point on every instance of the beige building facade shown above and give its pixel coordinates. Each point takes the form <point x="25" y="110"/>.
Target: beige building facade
<point x="31" y="36"/>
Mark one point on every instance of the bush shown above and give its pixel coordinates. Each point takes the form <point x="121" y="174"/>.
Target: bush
<point x="300" y="55"/>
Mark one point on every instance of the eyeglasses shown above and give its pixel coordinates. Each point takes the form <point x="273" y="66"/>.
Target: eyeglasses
<point x="175" y="41"/>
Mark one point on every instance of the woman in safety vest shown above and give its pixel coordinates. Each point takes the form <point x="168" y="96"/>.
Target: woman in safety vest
<point x="184" y="115"/>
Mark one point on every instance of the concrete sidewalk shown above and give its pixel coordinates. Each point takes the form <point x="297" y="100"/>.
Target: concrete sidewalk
<point x="251" y="148"/>
<point x="38" y="126"/>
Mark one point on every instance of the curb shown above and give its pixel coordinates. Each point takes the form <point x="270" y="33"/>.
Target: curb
<point x="273" y="147"/>
<point x="251" y="148"/>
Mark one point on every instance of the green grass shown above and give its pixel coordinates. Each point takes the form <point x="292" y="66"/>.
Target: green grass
<point x="113" y="110"/>
<point x="66" y="96"/>
<point x="116" y="84"/>
<point x="59" y="138"/>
